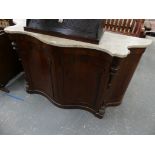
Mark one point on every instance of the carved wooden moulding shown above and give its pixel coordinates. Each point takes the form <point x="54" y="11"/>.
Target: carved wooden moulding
<point x="87" y="30"/>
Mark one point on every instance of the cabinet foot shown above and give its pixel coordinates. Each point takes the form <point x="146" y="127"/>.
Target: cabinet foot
<point x="101" y="112"/>
<point x="99" y="115"/>
<point x="114" y="103"/>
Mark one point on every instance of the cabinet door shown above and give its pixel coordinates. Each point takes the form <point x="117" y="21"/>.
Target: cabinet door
<point x="36" y="65"/>
<point x="80" y="75"/>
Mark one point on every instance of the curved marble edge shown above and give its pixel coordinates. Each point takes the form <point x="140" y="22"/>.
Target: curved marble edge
<point x="112" y="43"/>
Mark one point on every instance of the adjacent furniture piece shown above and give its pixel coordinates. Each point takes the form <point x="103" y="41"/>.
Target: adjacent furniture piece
<point x="131" y="27"/>
<point x="150" y="27"/>
<point x="74" y="74"/>
<point x="5" y="22"/>
<point x="9" y="64"/>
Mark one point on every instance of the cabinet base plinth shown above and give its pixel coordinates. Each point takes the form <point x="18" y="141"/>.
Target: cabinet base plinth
<point x="99" y="114"/>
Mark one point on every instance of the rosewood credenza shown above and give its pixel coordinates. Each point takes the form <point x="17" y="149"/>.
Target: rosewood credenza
<point x="74" y="74"/>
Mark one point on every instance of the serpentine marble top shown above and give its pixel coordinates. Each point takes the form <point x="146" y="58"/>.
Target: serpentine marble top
<point x="112" y="43"/>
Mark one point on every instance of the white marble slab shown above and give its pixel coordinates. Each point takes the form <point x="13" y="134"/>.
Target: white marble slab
<point x="111" y="43"/>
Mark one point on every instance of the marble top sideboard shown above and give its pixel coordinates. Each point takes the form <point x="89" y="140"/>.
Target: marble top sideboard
<point x="75" y="74"/>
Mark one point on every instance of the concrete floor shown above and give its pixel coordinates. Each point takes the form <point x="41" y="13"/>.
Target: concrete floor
<point x="21" y="113"/>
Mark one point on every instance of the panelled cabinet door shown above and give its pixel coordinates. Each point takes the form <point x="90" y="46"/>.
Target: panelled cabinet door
<point x="36" y="65"/>
<point x="80" y="75"/>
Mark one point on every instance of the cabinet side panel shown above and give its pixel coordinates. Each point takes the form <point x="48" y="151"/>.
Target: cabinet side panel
<point x="115" y="93"/>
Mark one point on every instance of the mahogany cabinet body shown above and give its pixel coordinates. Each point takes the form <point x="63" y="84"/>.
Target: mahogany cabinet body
<point x="9" y="64"/>
<point x="75" y="77"/>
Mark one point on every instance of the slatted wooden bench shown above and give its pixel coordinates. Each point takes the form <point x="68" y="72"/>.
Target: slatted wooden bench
<point x="132" y="27"/>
